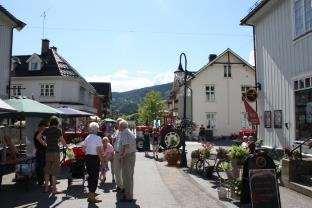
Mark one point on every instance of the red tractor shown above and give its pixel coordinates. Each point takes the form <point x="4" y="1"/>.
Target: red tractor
<point x="168" y="134"/>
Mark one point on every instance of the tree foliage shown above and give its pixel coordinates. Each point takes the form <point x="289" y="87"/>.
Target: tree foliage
<point x="151" y="108"/>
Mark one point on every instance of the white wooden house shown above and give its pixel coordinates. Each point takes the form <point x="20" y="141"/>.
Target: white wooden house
<point x="50" y="79"/>
<point x="7" y="23"/>
<point x="217" y="91"/>
<point x="283" y="48"/>
<point x="214" y="97"/>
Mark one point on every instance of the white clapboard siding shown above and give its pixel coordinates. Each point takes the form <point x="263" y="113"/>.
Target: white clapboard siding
<point x="280" y="58"/>
<point x="5" y="55"/>
<point x="228" y="104"/>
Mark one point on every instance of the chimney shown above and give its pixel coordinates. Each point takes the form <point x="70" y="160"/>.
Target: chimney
<point x="54" y="48"/>
<point x="212" y="57"/>
<point x="45" y="46"/>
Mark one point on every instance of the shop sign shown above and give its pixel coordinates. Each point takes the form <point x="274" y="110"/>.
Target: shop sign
<point x="264" y="190"/>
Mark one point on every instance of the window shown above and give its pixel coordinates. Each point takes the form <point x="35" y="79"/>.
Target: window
<point x="211" y="121"/>
<point x="244" y="90"/>
<point x="227" y="71"/>
<point x="302" y="17"/>
<point x="34" y="66"/>
<point x="210" y="93"/>
<point x="16" y="90"/>
<point x="47" y="90"/>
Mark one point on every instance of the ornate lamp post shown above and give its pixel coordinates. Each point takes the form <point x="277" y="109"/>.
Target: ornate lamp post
<point x="181" y="75"/>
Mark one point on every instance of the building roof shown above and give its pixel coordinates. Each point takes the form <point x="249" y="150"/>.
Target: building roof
<point x="102" y="88"/>
<point x="17" y="23"/>
<point x="53" y="64"/>
<point x="259" y="5"/>
<point x="221" y="55"/>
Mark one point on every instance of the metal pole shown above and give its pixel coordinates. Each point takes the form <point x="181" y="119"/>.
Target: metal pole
<point x="183" y="155"/>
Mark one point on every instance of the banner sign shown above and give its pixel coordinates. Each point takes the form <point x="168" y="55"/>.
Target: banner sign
<point x="252" y="114"/>
<point x="264" y="189"/>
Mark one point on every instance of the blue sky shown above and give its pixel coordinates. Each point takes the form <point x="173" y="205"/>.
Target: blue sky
<point x="133" y="43"/>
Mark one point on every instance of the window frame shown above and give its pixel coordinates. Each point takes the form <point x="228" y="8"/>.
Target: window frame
<point x="47" y="90"/>
<point x="17" y="90"/>
<point x="227" y="71"/>
<point x="211" y="118"/>
<point x="305" y="30"/>
<point x="210" y="94"/>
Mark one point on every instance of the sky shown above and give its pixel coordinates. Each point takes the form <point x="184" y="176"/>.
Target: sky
<point x="133" y="43"/>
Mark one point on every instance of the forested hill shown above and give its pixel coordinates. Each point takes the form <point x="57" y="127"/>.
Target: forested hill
<point x="127" y="102"/>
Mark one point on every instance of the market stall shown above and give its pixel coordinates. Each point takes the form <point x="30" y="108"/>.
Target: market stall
<point x="28" y="113"/>
<point x="72" y="133"/>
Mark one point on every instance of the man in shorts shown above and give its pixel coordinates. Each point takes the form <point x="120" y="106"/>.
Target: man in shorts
<point x="53" y="135"/>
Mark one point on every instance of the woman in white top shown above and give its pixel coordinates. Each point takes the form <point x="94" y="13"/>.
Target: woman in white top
<point x="93" y="148"/>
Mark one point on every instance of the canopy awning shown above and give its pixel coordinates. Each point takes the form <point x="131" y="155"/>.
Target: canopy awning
<point x="71" y="112"/>
<point x="31" y="107"/>
<point x="4" y="107"/>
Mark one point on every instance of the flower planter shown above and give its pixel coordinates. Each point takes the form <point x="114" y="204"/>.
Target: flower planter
<point x="172" y="157"/>
<point x="223" y="193"/>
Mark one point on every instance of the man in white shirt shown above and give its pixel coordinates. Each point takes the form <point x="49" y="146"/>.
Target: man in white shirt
<point x="128" y="150"/>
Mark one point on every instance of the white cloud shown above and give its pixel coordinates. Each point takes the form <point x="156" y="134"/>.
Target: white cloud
<point x="251" y="58"/>
<point x="123" y="80"/>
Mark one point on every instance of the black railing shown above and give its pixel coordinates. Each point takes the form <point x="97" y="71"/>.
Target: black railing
<point x="299" y="146"/>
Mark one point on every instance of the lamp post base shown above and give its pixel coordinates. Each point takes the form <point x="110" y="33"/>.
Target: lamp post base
<point x="183" y="163"/>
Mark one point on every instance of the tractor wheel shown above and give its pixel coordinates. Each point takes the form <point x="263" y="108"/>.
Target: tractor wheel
<point x="171" y="139"/>
<point x="140" y="145"/>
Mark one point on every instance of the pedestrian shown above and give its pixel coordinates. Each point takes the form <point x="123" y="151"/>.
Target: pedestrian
<point x="128" y="143"/>
<point x="93" y="148"/>
<point x="107" y="155"/>
<point x="146" y="142"/>
<point x="155" y="145"/>
<point x="52" y="135"/>
<point x="202" y="133"/>
<point x="40" y="146"/>
<point x="117" y="163"/>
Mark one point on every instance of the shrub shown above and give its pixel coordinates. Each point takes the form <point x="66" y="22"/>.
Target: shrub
<point x="238" y="153"/>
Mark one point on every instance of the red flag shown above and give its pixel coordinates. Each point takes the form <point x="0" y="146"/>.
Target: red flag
<point x="253" y="117"/>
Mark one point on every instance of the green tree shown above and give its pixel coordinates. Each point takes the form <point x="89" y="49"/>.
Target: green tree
<point x="151" y="108"/>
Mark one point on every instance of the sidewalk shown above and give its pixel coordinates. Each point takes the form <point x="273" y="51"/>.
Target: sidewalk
<point x="289" y="198"/>
<point x="156" y="186"/>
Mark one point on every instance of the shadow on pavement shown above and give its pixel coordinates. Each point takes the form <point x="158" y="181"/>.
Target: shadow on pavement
<point x="13" y="196"/>
<point x="76" y="191"/>
<point x="107" y="187"/>
<point x="121" y="204"/>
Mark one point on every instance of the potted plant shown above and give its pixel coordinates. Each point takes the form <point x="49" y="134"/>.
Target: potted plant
<point x="172" y="156"/>
<point x="237" y="155"/>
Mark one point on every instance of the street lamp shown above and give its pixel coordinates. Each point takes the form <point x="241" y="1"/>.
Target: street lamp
<point x="181" y="75"/>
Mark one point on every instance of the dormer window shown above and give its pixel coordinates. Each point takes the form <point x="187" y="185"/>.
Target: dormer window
<point x="34" y="62"/>
<point x="34" y="66"/>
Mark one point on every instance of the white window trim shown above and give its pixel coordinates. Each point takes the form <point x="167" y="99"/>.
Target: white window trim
<point x="214" y="120"/>
<point x="306" y="32"/>
<point x="16" y="88"/>
<point x="49" y="89"/>
<point x="228" y="69"/>
<point x="214" y="87"/>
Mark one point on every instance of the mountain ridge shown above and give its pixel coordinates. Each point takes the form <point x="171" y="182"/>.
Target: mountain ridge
<point x="127" y="102"/>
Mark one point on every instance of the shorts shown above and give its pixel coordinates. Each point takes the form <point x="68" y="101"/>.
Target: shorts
<point x="52" y="166"/>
